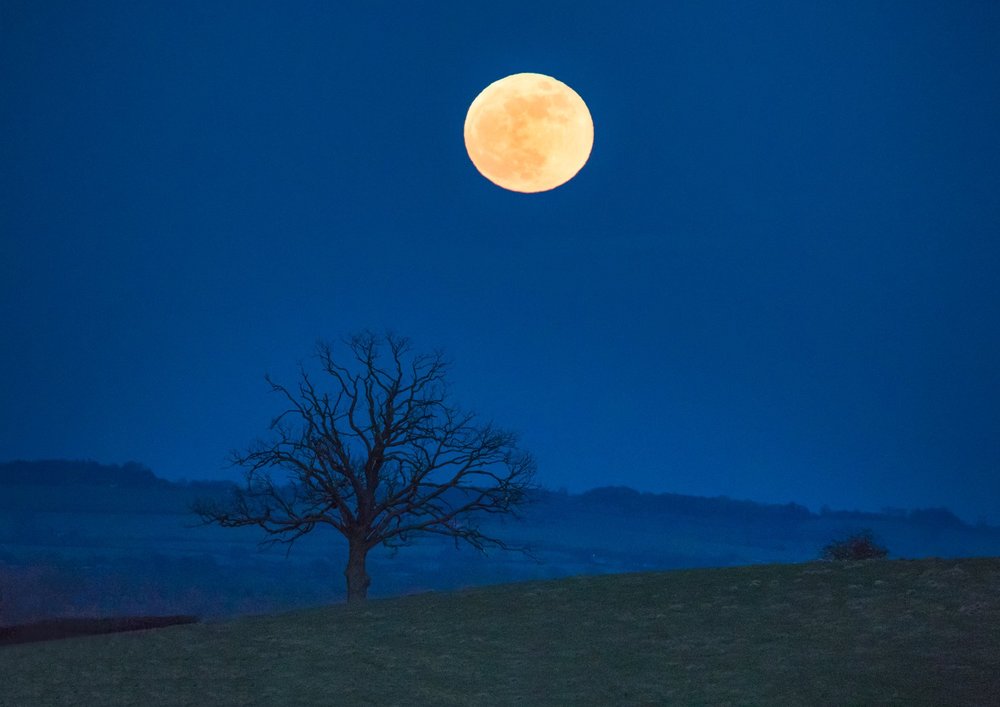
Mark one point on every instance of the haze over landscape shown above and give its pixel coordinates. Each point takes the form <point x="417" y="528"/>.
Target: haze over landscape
<point x="84" y="539"/>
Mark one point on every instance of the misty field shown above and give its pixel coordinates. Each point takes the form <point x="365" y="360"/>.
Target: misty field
<point x="906" y="632"/>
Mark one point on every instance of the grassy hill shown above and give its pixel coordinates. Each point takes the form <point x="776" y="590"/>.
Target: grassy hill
<point x="904" y="632"/>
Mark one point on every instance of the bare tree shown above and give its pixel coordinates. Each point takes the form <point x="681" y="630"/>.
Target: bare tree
<point x="381" y="458"/>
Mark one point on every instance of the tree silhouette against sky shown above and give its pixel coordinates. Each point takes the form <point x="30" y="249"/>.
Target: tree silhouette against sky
<point x="381" y="458"/>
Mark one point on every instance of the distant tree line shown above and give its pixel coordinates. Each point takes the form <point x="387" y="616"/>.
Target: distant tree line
<point x="134" y="475"/>
<point x="60" y="472"/>
<point x="625" y="498"/>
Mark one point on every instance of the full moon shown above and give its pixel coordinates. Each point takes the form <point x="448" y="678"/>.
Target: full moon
<point x="528" y="133"/>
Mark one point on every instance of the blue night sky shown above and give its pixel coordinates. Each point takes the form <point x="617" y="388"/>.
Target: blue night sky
<point x="775" y="279"/>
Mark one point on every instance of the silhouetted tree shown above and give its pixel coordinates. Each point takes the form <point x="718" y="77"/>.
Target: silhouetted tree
<point x="859" y="546"/>
<point x="382" y="457"/>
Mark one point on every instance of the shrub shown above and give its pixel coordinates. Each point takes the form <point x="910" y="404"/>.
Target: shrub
<point x="860" y="546"/>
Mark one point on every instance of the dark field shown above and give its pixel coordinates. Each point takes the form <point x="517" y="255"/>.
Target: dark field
<point x="889" y="632"/>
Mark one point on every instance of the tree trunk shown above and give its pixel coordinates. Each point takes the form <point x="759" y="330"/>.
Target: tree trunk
<point x="357" y="578"/>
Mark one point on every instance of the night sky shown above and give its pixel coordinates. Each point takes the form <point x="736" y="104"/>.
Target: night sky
<point x="775" y="279"/>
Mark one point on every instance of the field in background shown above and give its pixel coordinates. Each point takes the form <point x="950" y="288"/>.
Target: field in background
<point x="114" y="549"/>
<point x="889" y="632"/>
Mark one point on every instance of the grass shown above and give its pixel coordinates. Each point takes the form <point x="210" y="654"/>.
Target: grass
<point x="887" y="632"/>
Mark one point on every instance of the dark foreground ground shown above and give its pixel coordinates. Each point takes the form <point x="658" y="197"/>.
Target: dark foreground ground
<point x="56" y="629"/>
<point x="887" y="632"/>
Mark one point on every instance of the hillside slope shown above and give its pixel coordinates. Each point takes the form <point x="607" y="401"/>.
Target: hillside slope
<point x="891" y="632"/>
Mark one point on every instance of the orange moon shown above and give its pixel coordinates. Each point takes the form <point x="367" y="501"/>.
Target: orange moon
<point x="528" y="133"/>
